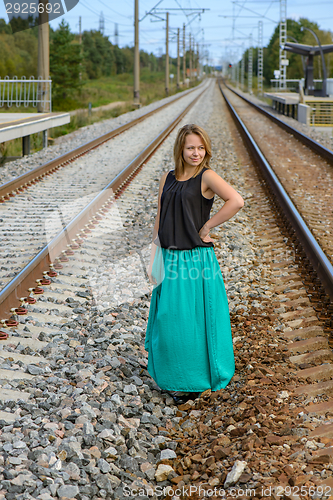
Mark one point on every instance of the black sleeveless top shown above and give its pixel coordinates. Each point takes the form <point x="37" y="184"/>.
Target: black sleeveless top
<point x="184" y="210"/>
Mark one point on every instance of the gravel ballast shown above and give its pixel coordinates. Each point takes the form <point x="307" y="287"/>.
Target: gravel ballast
<point x="95" y="425"/>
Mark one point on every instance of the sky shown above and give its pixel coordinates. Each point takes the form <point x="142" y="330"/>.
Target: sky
<point x="222" y="30"/>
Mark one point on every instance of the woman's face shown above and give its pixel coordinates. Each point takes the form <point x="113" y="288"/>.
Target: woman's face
<point x="194" y="150"/>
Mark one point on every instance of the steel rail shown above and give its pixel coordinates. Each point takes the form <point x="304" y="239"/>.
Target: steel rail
<point x="314" y="145"/>
<point x="18" y="286"/>
<point x="312" y="249"/>
<point x="36" y="174"/>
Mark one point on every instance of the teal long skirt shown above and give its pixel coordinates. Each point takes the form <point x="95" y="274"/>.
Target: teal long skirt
<point x="188" y="335"/>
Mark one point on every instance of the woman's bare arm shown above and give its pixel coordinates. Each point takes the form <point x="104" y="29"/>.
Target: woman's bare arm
<point x="233" y="202"/>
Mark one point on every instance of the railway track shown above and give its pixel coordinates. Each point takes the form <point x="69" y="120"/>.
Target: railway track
<point x="304" y="169"/>
<point x="80" y="415"/>
<point x="288" y="393"/>
<point x="27" y="224"/>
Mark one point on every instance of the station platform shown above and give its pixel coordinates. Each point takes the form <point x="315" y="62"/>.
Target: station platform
<point x="315" y="111"/>
<point x="283" y="97"/>
<point x="17" y="125"/>
<point x="284" y="102"/>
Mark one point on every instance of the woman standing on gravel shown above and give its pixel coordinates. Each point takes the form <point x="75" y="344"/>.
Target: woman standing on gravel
<point x="188" y="335"/>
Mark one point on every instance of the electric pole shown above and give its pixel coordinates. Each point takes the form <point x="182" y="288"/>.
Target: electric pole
<point x="243" y="70"/>
<point x="167" y="55"/>
<point x="157" y="13"/>
<point x="178" y="60"/>
<point x="260" y="58"/>
<point x="101" y="23"/>
<point x="80" y="42"/>
<point x="250" y="68"/>
<point x="136" y="55"/>
<point x="190" y="58"/>
<point x="116" y="42"/>
<point x="283" y="61"/>
<point x="184" y="56"/>
<point x="43" y="59"/>
<point x="80" y="32"/>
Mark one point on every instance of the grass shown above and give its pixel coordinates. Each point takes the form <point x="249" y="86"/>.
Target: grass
<point x="82" y="119"/>
<point x="14" y="147"/>
<point x="99" y="92"/>
<point x="20" y="109"/>
<point x="117" y="88"/>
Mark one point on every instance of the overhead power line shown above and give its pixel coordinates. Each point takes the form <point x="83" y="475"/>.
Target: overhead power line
<point x="253" y="11"/>
<point x="98" y="14"/>
<point x="118" y="13"/>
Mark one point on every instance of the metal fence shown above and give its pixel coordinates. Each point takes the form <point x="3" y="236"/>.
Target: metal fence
<point x="34" y="92"/>
<point x="321" y="113"/>
<point x="293" y="84"/>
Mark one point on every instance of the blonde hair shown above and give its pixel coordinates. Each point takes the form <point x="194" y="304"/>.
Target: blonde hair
<point x="191" y="128"/>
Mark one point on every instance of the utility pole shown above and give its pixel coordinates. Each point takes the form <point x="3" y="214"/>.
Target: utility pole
<point x="116" y="41"/>
<point x="190" y="58"/>
<point x="197" y="63"/>
<point x="167" y="55"/>
<point x="80" y="31"/>
<point x="178" y="60"/>
<point x="80" y="41"/>
<point x="243" y="70"/>
<point x="101" y="23"/>
<point x="184" y="56"/>
<point x="283" y="61"/>
<point x="260" y="58"/>
<point x="136" y="55"/>
<point x="250" y="68"/>
<point x="43" y="61"/>
<point x="157" y="13"/>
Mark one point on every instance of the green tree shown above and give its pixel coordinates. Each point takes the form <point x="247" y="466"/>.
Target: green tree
<point x="119" y="59"/>
<point x="99" y="55"/>
<point x="4" y="27"/>
<point x="295" y="68"/>
<point x="27" y="49"/>
<point x="18" y="24"/>
<point x="18" y="51"/>
<point x="128" y="54"/>
<point x="65" y="63"/>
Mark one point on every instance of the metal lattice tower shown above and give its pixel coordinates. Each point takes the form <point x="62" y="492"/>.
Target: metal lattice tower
<point x="167" y="77"/>
<point x="250" y="67"/>
<point x="243" y="70"/>
<point x="283" y="39"/>
<point x="190" y="54"/>
<point x="101" y="23"/>
<point x="260" y="57"/>
<point x="184" y="55"/>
